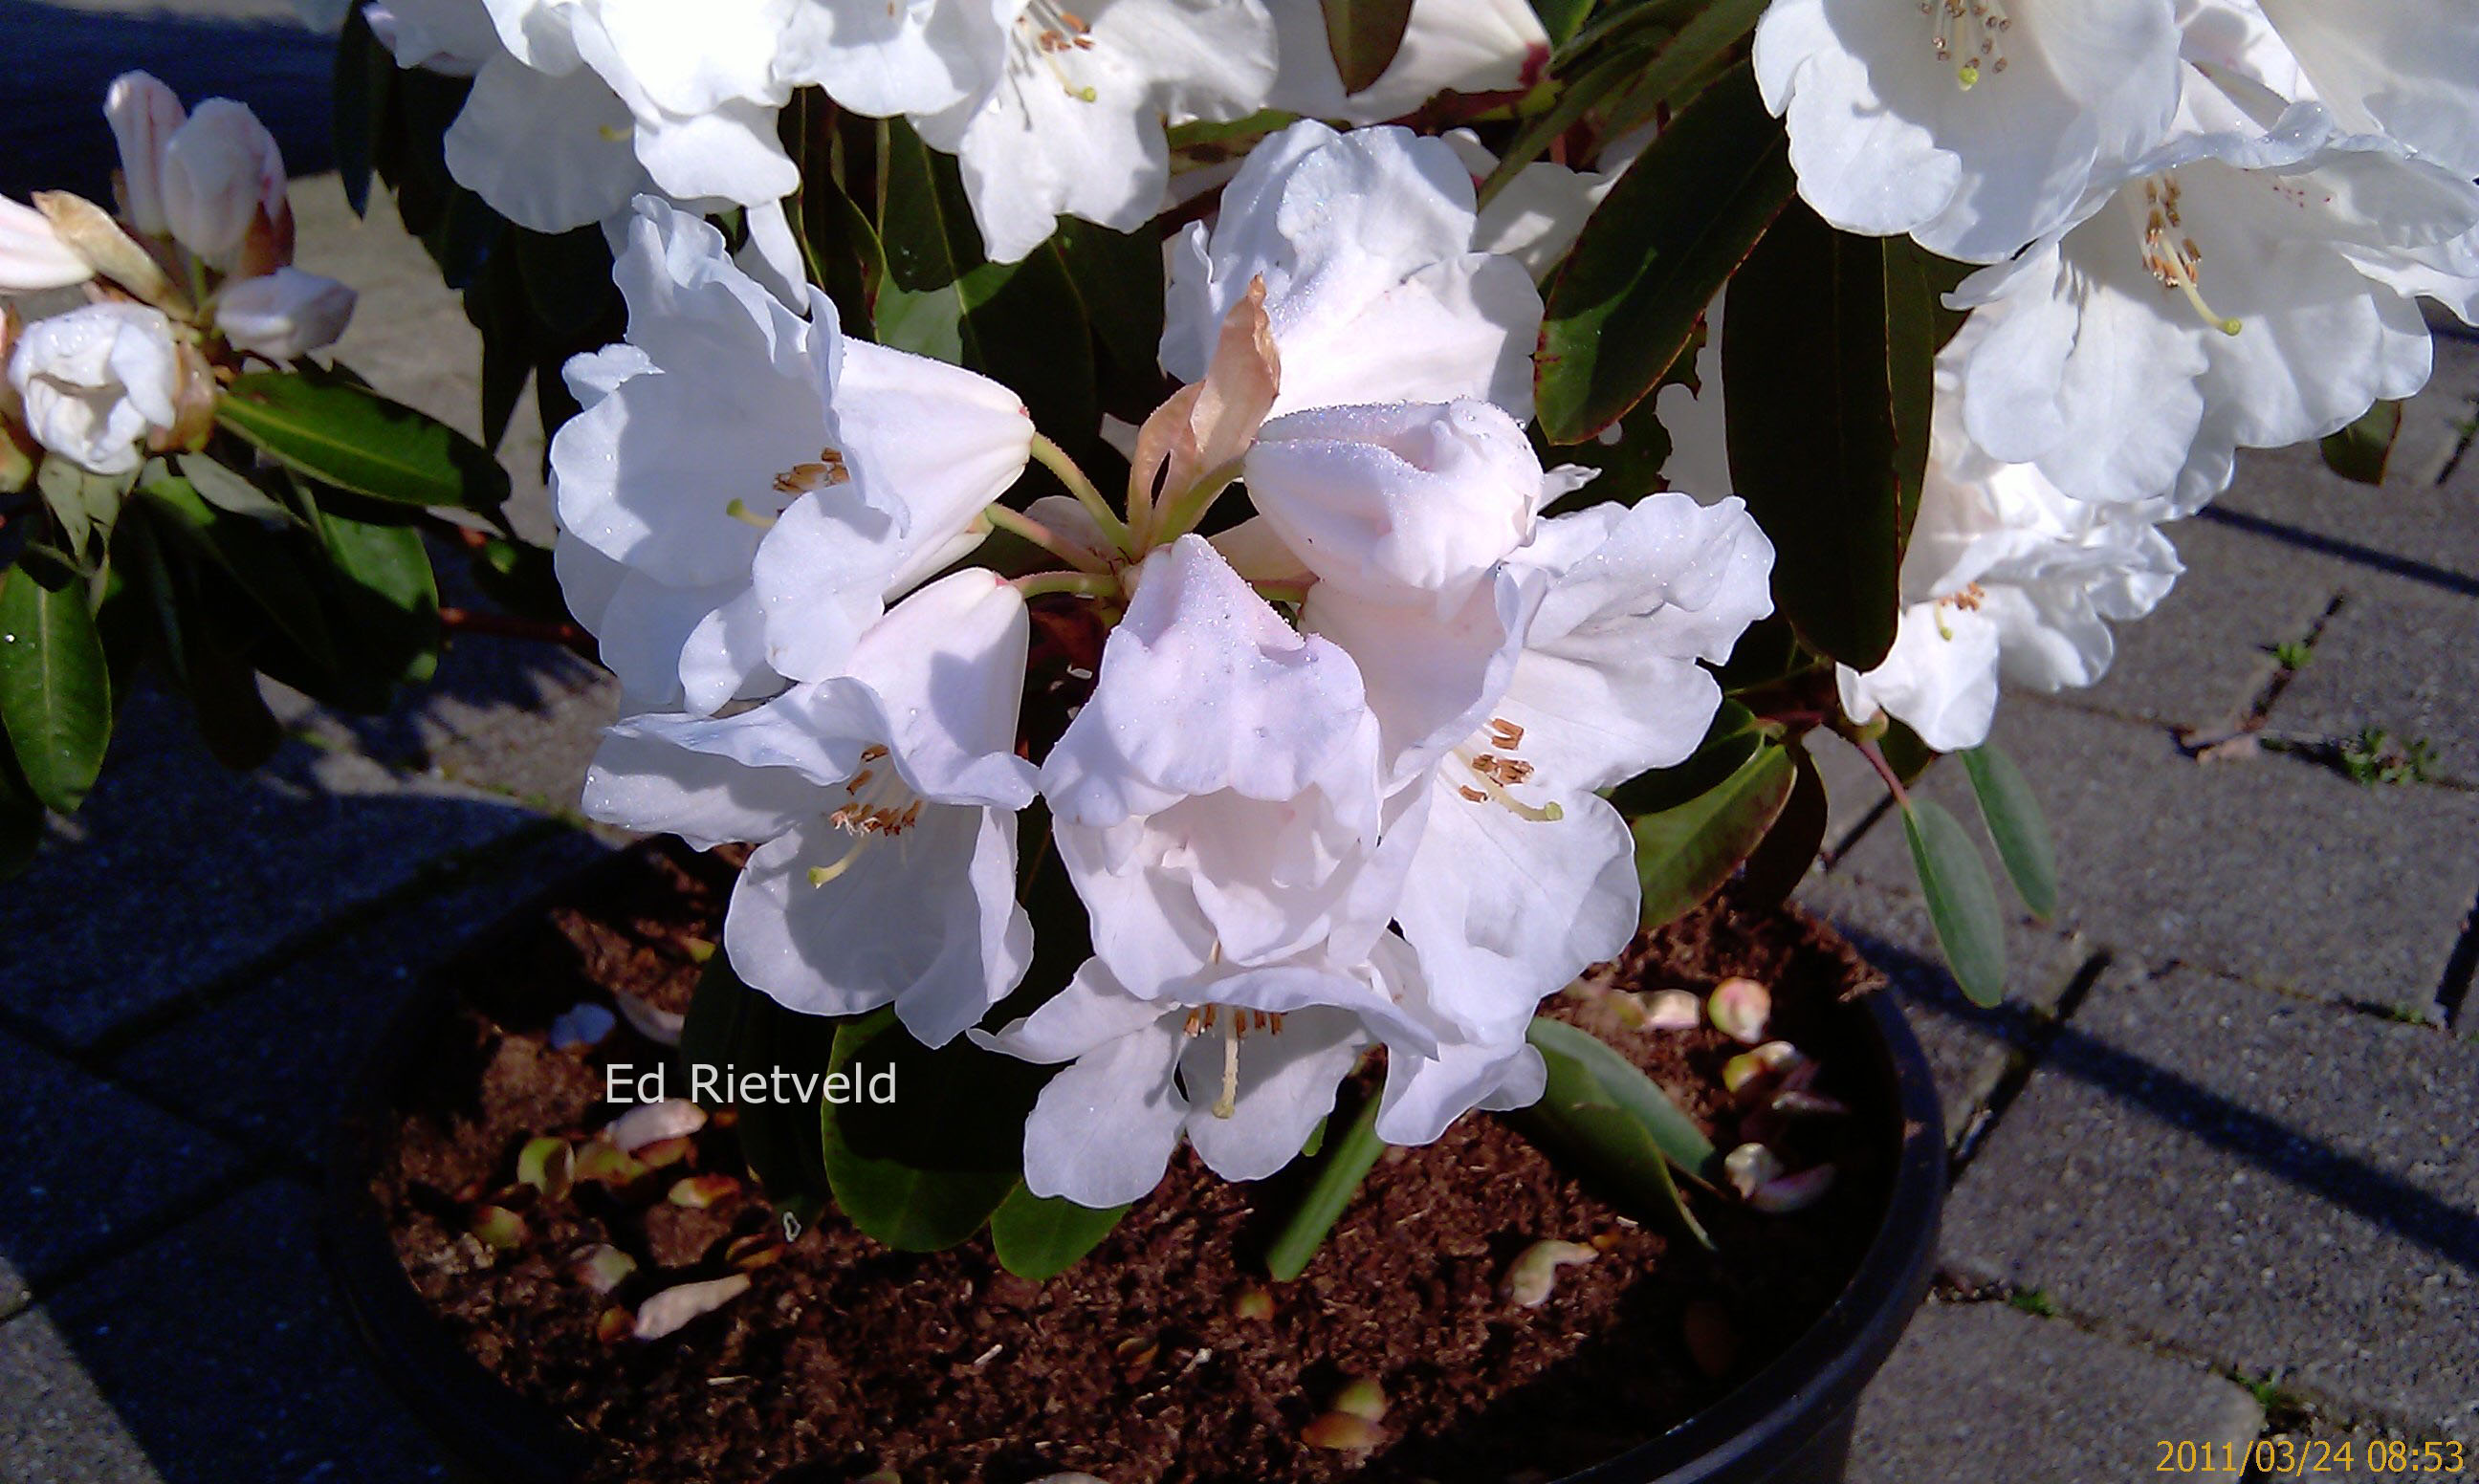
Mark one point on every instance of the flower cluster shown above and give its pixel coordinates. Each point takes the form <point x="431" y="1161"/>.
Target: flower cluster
<point x="1330" y="777"/>
<point x="2205" y="223"/>
<point x="195" y="268"/>
<point x="576" y="108"/>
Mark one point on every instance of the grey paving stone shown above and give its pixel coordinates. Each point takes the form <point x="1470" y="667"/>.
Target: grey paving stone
<point x="223" y="1352"/>
<point x="270" y="1065"/>
<point x="1980" y="1392"/>
<point x="2274" y="869"/>
<point x="85" y="1161"/>
<point x="55" y="1428"/>
<point x="2281" y="1187"/>
<point x="2408" y="665"/>
<point x="2201" y="659"/>
<point x="178" y="871"/>
<point x="1969" y="1046"/>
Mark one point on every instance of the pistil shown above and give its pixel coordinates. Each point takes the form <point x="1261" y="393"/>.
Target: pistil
<point x="1969" y="36"/>
<point x="2172" y="257"/>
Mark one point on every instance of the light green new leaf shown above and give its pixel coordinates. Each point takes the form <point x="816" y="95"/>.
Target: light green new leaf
<point x="1962" y="901"/>
<point x="350" y="437"/>
<point x="1342" y="1164"/>
<point x="1603" y="1111"/>
<point x="55" y="685"/>
<point x="2012" y="814"/>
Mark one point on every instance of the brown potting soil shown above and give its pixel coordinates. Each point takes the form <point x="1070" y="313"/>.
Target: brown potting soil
<point x="1166" y="1355"/>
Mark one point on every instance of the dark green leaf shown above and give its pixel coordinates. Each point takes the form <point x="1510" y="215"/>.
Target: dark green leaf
<point x="1600" y="1112"/>
<point x="1561" y="19"/>
<point x="1827" y="362"/>
<point x="85" y="504"/>
<point x="21" y="820"/>
<point x="390" y="598"/>
<point x="2361" y="450"/>
<point x="225" y="702"/>
<point x="927" y="1170"/>
<point x="1652" y="256"/>
<point x="364" y="71"/>
<point x="352" y="438"/>
<point x="279" y="574"/>
<point x="496" y="304"/>
<point x="1340" y="1167"/>
<point x="1780" y="860"/>
<point x="1962" y="902"/>
<point x="1684" y="855"/>
<point x="227" y="491"/>
<point x="1729" y="741"/>
<point x="55" y="684"/>
<point x="731" y="1027"/>
<point x="1040" y="1237"/>
<point x="2012" y="814"/>
<point x="1364" y="36"/>
<point x="567" y="280"/>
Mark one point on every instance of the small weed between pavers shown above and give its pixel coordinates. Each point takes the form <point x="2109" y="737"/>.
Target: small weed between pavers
<point x="2033" y="1301"/>
<point x="2292" y="654"/>
<point x="2284" y="1410"/>
<point x="2372" y="756"/>
<point x="2403" y="1012"/>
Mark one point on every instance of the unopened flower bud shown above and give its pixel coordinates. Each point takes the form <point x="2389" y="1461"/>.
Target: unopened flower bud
<point x="94" y="380"/>
<point x="145" y="115"/>
<point x="285" y="315"/>
<point x="222" y="171"/>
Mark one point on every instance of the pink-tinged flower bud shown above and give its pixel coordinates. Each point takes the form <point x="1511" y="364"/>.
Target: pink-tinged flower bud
<point x="145" y="115"/>
<point x="31" y="254"/>
<point x="285" y="315"/>
<point x="94" y="380"/>
<point x="222" y="171"/>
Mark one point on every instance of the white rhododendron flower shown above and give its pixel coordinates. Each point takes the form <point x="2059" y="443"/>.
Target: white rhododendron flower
<point x="1696" y="421"/>
<point x="222" y="180"/>
<point x="145" y="115"/>
<point x="1974" y="125"/>
<point x="883" y="805"/>
<point x="2005" y="576"/>
<point x="1524" y="875"/>
<point x="95" y="381"/>
<point x="1373" y="287"/>
<point x="2405" y="68"/>
<point x="727" y="426"/>
<point x="1397" y="501"/>
<point x="1539" y="214"/>
<point x="1473" y="47"/>
<point x="1215" y="803"/>
<point x="32" y="255"/>
<point x="1066" y="118"/>
<point x="284" y="315"/>
<point x="2234" y="288"/>
<point x="1242" y="1075"/>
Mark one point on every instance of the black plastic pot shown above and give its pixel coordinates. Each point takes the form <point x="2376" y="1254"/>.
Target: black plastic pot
<point x="1791" y="1423"/>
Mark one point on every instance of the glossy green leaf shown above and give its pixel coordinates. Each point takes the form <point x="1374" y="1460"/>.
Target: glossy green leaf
<point x="1364" y="36"/>
<point x="1827" y="356"/>
<point x="354" y="439"/>
<point x="229" y="492"/>
<point x="1342" y="1163"/>
<point x="271" y="568"/>
<point x="2361" y="450"/>
<point x="1684" y="855"/>
<point x="387" y="599"/>
<point x="1561" y="19"/>
<point x="730" y="1026"/>
<point x="1039" y="1237"/>
<point x="1962" y="901"/>
<point x="926" y="1171"/>
<point x="1602" y="1112"/>
<point x="1679" y="221"/>
<point x="2012" y="813"/>
<point x="55" y="684"/>
<point x="1780" y="862"/>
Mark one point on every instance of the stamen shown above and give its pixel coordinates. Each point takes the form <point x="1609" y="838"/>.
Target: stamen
<point x="803" y="478"/>
<point x="1229" y="1102"/>
<point x="1055" y="34"/>
<point x="1970" y="35"/>
<point x="819" y="876"/>
<point x="1491" y="775"/>
<point x="2172" y="256"/>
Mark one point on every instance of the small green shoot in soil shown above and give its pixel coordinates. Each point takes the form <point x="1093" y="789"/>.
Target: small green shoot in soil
<point x="2292" y="654"/>
<point x="2373" y="756"/>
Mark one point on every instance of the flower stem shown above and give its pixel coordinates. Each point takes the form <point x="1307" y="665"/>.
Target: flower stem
<point x="1049" y="455"/>
<point x="1084" y="584"/>
<point x="1884" y="770"/>
<point x="1181" y="512"/>
<point x="1042" y="536"/>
